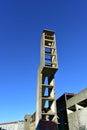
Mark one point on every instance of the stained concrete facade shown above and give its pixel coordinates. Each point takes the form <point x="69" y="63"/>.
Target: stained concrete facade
<point x="77" y="111"/>
<point x="29" y="122"/>
<point x="27" y="119"/>
<point x="72" y="111"/>
<point x="62" y="111"/>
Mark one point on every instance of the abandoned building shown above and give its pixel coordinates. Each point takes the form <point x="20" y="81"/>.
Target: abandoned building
<point x="68" y="112"/>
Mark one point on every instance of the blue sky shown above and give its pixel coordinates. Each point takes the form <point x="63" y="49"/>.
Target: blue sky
<point x="21" y="26"/>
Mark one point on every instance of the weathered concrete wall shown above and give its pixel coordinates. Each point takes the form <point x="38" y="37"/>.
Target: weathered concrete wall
<point x="32" y="126"/>
<point x="27" y="122"/>
<point x="78" y="120"/>
<point x="77" y="98"/>
<point x="77" y="111"/>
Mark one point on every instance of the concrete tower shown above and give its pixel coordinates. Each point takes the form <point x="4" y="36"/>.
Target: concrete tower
<point x="46" y="114"/>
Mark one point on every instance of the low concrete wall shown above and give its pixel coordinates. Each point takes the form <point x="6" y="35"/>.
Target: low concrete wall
<point x="78" y="120"/>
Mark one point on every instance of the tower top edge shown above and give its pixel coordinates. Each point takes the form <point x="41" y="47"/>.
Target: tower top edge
<point x="48" y="31"/>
